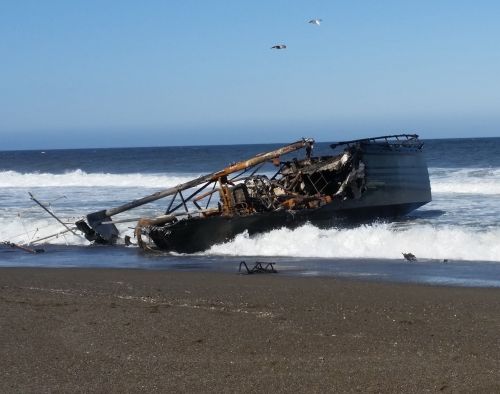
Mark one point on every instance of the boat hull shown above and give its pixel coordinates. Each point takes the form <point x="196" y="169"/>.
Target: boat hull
<point x="397" y="182"/>
<point x="198" y="234"/>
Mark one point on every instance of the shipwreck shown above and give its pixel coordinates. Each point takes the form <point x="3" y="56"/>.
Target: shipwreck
<point x="366" y="179"/>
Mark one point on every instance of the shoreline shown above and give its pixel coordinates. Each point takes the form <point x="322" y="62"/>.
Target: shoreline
<point x="454" y="273"/>
<point x="119" y="330"/>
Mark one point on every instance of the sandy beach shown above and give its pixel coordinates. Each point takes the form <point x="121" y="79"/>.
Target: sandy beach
<point x="87" y="330"/>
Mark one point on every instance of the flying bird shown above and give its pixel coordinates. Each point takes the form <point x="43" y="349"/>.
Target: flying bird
<point x="316" y="22"/>
<point x="279" y="46"/>
<point x="409" y="256"/>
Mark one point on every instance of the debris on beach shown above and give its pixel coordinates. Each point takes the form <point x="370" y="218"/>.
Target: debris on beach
<point x="23" y="248"/>
<point x="259" y="268"/>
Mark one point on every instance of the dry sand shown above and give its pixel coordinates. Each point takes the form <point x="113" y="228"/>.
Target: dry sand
<point x="86" y="330"/>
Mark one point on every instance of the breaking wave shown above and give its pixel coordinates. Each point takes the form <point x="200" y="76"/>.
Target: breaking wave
<point x="465" y="181"/>
<point x="380" y="240"/>
<point x="368" y="241"/>
<point x="79" y="178"/>
<point x="25" y="231"/>
<point x="455" y="180"/>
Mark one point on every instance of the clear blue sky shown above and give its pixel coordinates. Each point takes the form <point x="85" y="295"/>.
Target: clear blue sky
<point x="129" y="73"/>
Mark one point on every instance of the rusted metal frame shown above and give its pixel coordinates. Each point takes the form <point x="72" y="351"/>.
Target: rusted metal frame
<point x="211" y="194"/>
<point x="312" y="183"/>
<point x="278" y="172"/>
<point x="315" y="183"/>
<point x="259" y="159"/>
<point x="171" y="202"/>
<point x="227" y="202"/>
<point x="258" y="268"/>
<point x="294" y="181"/>
<point x="326" y="182"/>
<point x="183" y="202"/>
<point x="189" y="198"/>
<point x="97" y="217"/>
<point x="235" y="178"/>
<point x="257" y="169"/>
<point x="206" y="194"/>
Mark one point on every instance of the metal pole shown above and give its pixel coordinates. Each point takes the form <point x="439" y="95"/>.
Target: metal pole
<point x="50" y="213"/>
<point x="210" y="177"/>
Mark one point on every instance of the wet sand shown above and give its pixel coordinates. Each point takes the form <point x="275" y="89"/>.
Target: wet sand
<point x="88" y="330"/>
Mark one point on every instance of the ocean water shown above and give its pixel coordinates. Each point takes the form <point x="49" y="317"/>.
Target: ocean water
<point x="460" y="225"/>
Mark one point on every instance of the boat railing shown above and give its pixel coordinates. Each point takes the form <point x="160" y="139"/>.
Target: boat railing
<point x="395" y="139"/>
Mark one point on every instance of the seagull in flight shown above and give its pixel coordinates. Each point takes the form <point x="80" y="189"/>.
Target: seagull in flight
<point x="279" y="46"/>
<point x="410" y="256"/>
<point x="316" y="22"/>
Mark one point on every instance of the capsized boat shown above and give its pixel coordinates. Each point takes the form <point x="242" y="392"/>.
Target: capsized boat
<point x="366" y="179"/>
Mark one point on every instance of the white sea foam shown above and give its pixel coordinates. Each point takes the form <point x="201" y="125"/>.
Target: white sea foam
<point x="369" y="241"/>
<point x="79" y="178"/>
<point x="465" y="180"/>
<point x="377" y="241"/>
<point x="443" y="180"/>
<point x="24" y="231"/>
<point x="381" y="240"/>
